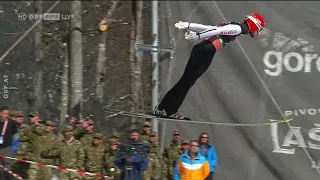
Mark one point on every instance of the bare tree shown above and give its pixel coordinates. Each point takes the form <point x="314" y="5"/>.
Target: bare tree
<point x="132" y="59"/>
<point x="135" y="58"/>
<point x="109" y="83"/>
<point x="38" y="77"/>
<point x="139" y="56"/>
<point x="100" y="65"/>
<point x="76" y="59"/>
<point x="64" y="88"/>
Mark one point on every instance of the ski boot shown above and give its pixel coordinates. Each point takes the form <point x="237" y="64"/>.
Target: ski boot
<point x="163" y="114"/>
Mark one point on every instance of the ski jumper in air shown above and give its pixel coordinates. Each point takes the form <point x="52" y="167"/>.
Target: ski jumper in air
<point x="215" y="37"/>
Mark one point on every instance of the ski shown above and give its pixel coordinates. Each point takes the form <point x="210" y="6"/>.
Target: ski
<point x="200" y="121"/>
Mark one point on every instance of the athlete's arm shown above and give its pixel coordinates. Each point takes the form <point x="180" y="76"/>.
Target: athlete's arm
<point x="193" y="26"/>
<point x="230" y="29"/>
<point x="199" y="27"/>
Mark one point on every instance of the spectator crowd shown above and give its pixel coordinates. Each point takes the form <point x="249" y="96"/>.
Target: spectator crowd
<point x="81" y="148"/>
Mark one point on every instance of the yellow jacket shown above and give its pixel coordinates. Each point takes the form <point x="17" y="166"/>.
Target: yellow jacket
<point x="191" y="169"/>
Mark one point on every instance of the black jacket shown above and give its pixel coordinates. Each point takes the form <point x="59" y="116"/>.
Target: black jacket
<point x="10" y="131"/>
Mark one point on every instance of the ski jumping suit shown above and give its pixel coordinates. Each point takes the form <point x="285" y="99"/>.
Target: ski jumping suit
<point x="215" y="37"/>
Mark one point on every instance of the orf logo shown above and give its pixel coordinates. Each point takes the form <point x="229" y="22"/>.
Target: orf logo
<point x="227" y="32"/>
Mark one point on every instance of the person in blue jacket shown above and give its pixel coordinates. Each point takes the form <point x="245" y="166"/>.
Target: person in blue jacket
<point x="138" y="161"/>
<point x="15" y="142"/>
<point x="207" y="150"/>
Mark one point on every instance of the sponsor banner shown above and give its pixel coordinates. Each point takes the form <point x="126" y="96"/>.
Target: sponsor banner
<point x="297" y="137"/>
<point x="290" y="55"/>
<point x="302" y="112"/>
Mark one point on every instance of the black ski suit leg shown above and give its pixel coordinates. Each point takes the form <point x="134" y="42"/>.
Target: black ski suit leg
<point x="199" y="61"/>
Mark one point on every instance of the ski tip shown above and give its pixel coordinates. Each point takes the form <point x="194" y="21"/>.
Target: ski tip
<point x="281" y="121"/>
<point x="288" y="119"/>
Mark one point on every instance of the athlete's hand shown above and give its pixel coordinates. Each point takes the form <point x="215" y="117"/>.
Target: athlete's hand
<point x="181" y="25"/>
<point x="192" y="36"/>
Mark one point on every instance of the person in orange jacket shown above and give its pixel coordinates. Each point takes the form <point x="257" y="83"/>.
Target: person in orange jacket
<point x="191" y="165"/>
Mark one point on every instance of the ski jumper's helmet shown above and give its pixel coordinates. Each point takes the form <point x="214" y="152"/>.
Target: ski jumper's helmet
<point x="255" y="22"/>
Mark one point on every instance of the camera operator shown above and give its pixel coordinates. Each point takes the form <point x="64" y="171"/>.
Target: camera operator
<point x="132" y="157"/>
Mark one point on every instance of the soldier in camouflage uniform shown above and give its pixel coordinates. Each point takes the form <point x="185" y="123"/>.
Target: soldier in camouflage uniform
<point x="45" y="141"/>
<point x="78" y="126"/>
<point x="34" y="117"/>
<point x="164" y="169"/>
<point x="171" y="153"/>
<point x="154" y="159"/>
<point x="145" y="133"/>
<point x="88" y="136"/>
<point x="35" y="122"/>
<point x="18" y="167"/>
<point x="115" y="137"/>
<point x="71" y="155"/>
<point x="12" y="114"/>
<point x="110" y="168"/>
<point x="184" y="146"/>
<point x="94" y="157"/>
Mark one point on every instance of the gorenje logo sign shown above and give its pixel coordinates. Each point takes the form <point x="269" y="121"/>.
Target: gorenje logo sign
<point x="288" y="55"/>
<point x="277" y="62"/>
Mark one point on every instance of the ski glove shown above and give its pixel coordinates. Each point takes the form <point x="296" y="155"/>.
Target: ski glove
<point x="182" y="25"/>
<point x="192" y="36"/>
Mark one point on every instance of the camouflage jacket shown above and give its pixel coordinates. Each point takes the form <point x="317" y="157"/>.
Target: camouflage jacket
<point x="87" y="138"/>
<point x="78" y="132"/>
<point x="94" y="158"/>
<point x="144" y="137"/>
<point x="33" y="131"/>
<point x="107" y="143"/>
<point x="24" y="144"/>
<point x="43" y="141"/>
<point x="171" y="153"/>
<point x="110" y="167"/>
<point x="71" y="155"/>
<point x="154" y="149"/>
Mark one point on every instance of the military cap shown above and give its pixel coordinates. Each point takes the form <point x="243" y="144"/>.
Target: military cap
<point x="50" y="123"/>
<point x="147" y="124"/>
<point x="98" y="136"/>
<point x="116" y="135"/>
<point x="34" y="113"/>
<point x="113" y="142"/>
<point x="185" y="142"/>
<point x="152" y="133"/>
<point x="12" y="113"/>
<point x="19" y="113"/>
<point x="90" y="122"/>
<point x="176" y="133"/>
<point x="67" y="128"/>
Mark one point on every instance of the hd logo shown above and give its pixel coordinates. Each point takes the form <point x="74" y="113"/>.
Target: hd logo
<point x="288" y="55"/>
